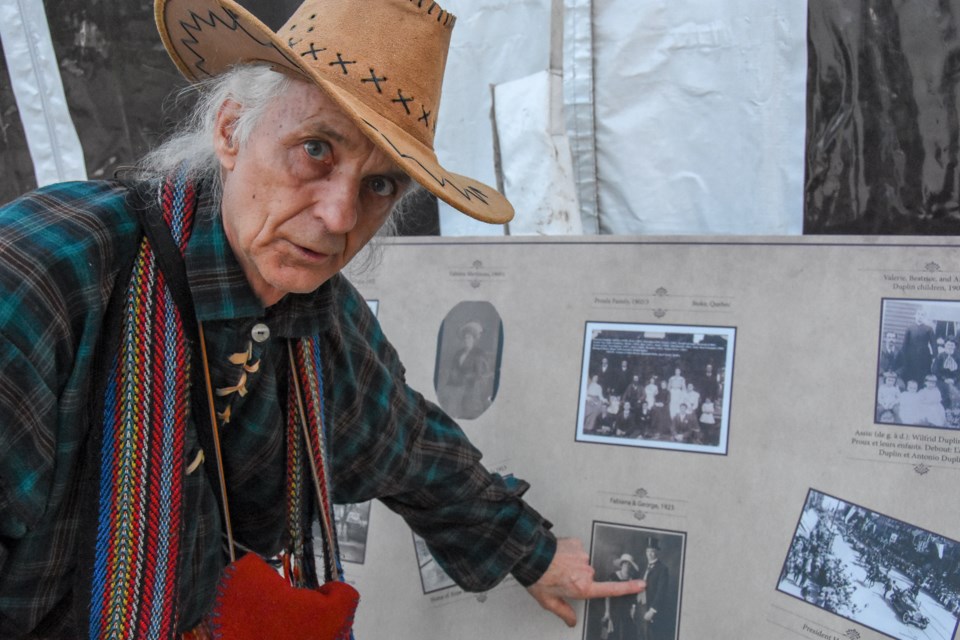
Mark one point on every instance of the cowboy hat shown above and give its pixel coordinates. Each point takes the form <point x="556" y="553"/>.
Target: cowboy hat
<point x="381" y="61"/>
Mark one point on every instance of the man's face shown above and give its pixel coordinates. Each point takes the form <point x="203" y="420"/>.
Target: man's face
<point x="651" y="555"/>
<point x="304" y="194"/>
<point x="949" y="347"/>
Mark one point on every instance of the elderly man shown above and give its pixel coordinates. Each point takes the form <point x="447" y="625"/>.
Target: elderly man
<point x="182" y="361"/>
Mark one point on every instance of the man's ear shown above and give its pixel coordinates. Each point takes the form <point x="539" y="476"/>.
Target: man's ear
<point x="224" y="139"/>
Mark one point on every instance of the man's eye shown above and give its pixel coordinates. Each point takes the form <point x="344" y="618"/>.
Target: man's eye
<point x="317" y="149"/>
<point x="381" y="186"/>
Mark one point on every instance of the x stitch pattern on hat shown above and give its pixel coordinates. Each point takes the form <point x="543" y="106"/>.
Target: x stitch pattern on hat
<point x="393" y="66"/>
<point x="387" y="76"/>
<point x="311" y="49"/>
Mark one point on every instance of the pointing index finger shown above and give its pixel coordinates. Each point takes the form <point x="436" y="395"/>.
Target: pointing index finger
<point x="614" y="589"/>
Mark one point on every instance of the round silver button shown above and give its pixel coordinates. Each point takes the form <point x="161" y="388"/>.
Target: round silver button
<point x="260" y="332"/>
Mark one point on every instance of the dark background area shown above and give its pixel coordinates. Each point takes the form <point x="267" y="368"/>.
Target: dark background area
<point x="882" y="122"/>
<point x="882" y="130"/>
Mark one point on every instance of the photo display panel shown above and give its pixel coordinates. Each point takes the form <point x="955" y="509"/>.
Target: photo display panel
<point x="768" y="429"/>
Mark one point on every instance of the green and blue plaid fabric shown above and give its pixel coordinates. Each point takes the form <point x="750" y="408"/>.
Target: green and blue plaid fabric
<point x="61" y="249"/>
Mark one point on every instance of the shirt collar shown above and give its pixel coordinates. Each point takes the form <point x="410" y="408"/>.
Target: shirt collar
<point x="220" y="289"/>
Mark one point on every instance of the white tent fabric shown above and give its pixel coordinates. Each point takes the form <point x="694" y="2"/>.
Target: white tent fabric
<point x="35" y="78"/>
<point x="683" y="116"/>
<point x="533" y="142"/>
<point x="494" y="41"/>
<point x="699" y="113"/>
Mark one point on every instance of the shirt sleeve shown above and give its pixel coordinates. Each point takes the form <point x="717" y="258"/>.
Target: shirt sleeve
<point x="56" y="265"/>
<point x="27" y="416"/>
<point x="391" y="443"/>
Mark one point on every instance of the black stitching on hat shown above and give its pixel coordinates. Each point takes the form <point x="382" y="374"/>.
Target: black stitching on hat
<point x="195" y="24"/>
<point x="292" y="27"/>
<point x="343" y="63"/>
<point x="313" y="16"/>
<point x="374" y="79"/>
<point x="403" y="100"/>
<point x="313" y="51"/>
<point x="469" y="193"/>
<point x="425" y="117"/>
<point x="310" y="30"/>
<point x="443" y="16"/>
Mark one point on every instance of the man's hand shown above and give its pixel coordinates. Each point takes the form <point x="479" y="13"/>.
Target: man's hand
<point x="571" y="576"/>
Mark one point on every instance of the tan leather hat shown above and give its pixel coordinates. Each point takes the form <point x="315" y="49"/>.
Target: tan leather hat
<point x="382" y="61"/>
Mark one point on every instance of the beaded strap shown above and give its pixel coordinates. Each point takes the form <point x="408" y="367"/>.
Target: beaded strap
<point x="307" y="426"/>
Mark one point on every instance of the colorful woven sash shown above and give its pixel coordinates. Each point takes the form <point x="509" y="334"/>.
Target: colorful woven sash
<point x="135" y="573"/>
<point x="146" y="404"/>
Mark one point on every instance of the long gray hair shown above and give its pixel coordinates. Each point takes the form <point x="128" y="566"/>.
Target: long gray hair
<point x="191" y="145"/>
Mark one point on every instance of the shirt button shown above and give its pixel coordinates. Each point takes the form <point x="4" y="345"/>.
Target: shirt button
<point x="260" y="332"/>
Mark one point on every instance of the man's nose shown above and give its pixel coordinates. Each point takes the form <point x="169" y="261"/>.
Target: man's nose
<point x="337" y="203"/>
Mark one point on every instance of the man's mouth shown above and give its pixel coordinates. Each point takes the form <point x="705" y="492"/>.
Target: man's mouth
<point x="313" y="255"/>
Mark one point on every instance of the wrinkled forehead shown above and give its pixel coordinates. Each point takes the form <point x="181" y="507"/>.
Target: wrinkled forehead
<point x="303" y="111"/>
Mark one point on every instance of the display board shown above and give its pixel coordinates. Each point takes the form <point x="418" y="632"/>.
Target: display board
<point x="787" y="466"/>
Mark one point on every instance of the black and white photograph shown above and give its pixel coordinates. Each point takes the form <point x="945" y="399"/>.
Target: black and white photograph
<point x="658" y="386"/>
<point x="619" y="553"/>
<point x="469" y="349"/>
<point x="918" y="364"/>
<point x="432" y="576"/>
<point x="353" y="525"/>
<point x="883" y="573"/>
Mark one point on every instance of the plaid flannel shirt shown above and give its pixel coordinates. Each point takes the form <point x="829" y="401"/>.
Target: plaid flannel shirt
<point x="61" y="248"/>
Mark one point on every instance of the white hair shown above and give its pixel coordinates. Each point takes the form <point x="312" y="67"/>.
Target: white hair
<point x="254" y="87"/>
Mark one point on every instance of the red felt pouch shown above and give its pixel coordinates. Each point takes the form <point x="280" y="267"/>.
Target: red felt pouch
<point x="254" y="602"/>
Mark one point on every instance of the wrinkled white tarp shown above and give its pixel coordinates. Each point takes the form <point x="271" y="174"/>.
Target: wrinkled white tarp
<point x="535" y="156"/>
<point x="494" y="41"/>
<point x="699" y="113"/>
<point x="684" y="116"/>
<point x="35" y="78"/>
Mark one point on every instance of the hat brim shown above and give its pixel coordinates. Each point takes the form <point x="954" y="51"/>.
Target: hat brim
<point x="213" y="35"/>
